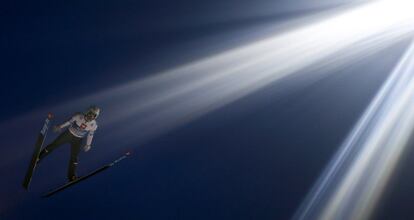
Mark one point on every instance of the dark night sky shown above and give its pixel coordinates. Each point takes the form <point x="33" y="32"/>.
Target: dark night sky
<point x="254" y="159"/>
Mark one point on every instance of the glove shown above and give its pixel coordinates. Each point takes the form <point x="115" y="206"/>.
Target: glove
<point x="56" y="129"/>
<point x="86" y="148"/>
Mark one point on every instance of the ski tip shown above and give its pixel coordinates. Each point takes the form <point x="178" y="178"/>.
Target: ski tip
<point x="49" y="115"/>
<point x="128" y="153"/>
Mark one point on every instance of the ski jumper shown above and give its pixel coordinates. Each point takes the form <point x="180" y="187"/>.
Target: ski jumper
<point x="78" y="129"/>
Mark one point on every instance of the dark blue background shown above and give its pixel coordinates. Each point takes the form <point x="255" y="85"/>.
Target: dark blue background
<point x="254" y="159"/>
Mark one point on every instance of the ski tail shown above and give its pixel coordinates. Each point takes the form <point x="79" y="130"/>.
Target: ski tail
<point x="38" y="146"/>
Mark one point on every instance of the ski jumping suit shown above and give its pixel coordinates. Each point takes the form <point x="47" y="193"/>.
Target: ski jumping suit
<point x="78" y="129"/>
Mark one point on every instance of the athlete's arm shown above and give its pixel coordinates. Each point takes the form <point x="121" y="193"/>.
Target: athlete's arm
<point x="89" y="139"/>
<point x="58" y="128"/>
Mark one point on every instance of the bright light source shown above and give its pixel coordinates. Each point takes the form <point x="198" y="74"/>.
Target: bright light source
<point x="399" y="8"/>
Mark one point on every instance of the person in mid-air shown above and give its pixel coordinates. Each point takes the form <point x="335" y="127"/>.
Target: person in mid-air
<point x="81" y="125"/>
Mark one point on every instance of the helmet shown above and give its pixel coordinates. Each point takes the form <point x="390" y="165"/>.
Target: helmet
<point x="92" y="113"/>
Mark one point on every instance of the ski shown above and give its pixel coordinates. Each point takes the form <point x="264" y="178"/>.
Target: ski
<point x="79" y="179"/>
<point x="38" y="146"/>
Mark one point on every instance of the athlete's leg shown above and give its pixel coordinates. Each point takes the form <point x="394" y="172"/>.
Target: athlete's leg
<point x="73" y="162"/>
<point x="63" y="138"/>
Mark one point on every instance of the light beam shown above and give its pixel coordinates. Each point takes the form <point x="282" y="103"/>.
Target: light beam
<point x="356" y="177"/>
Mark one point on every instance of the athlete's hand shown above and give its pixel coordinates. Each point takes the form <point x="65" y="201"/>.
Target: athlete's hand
<point x="56" y="129"/>
<point x="86" y="148"/>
